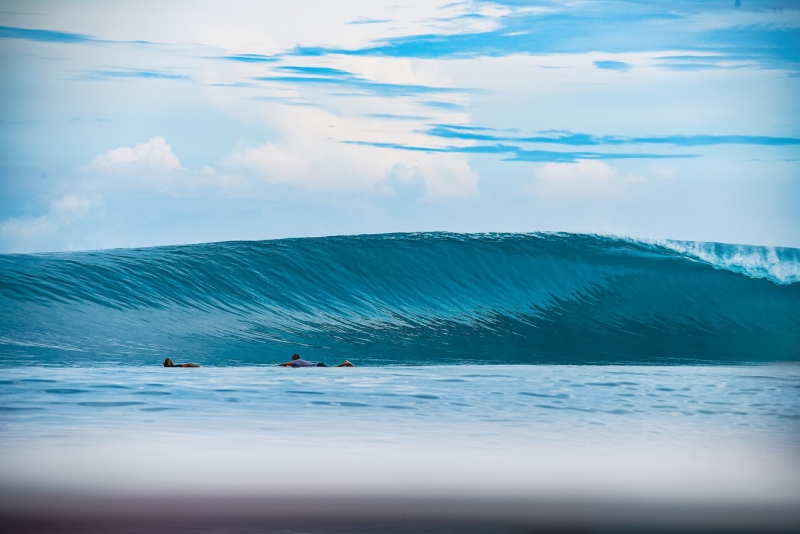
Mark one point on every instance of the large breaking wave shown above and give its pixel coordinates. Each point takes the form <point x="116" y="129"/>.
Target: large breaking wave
<point x="405" y="299"/>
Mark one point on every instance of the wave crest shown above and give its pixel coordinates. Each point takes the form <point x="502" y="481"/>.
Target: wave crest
<point x="780" y="265"/>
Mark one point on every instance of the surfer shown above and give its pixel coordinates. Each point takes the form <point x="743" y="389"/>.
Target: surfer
<point x="168" y="363"/>
<point x="299" y="362"/>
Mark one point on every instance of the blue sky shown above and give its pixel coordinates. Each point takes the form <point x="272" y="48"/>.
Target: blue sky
<point x="127" y="124"/>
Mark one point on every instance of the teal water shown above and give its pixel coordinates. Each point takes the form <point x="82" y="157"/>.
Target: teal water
<point x="405" y="299"/>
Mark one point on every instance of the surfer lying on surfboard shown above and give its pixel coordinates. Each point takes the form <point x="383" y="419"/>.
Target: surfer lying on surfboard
<point x="298" y="362"/>
<point x="168" y="363"/>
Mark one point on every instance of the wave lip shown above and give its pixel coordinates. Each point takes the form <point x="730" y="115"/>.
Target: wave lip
<point x="778" y="264"/>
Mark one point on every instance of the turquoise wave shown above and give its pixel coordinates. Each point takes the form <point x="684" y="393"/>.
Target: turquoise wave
<point x="425" y="298"/>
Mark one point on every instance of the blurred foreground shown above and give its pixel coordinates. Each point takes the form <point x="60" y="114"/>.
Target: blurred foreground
<point x="400" y="449"/>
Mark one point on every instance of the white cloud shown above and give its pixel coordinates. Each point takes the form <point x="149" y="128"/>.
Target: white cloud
<point x="405" y="173"/>
<point x="277" y="165"/>
<point x="152" y="166"/>
<point x="449" y="176"/>
<point x="433" y="176"/>
<point x="63" y="212"/>
<point x="584" y="179"/>
<point x="312" y="156"/>
<point x="309" y="155"/>
<point x="154" y="154"/>
<point x="71" y="207"/>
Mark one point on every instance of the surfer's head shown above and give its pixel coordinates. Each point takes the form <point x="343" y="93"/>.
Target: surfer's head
<point x="168" y="362"/>
<point x="294" y="357"/>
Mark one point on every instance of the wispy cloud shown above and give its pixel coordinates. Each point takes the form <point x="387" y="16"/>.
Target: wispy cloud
<point x="515" y="153"/>
<point x="613" y="65"/>
<point x="250" y="58"/>
<point x="397" y="117"/>
<point x="561" y="137"/>
<point x="288" y="101"/>
<point x="612" y="27"/>
<point x="707" y="140"/>
<point x="54" y="36"/>
<point x="317" y="71"/>
<point x="701" y="62"/>
<point x="45" y="36"/>
<point x="446" y="106"/>
<point x="369" y="21"/>
<point x="571" y="157"/>
<point x="521" y="32"/>
<point x="131" y="73"/>
<point x="326" y="76"/>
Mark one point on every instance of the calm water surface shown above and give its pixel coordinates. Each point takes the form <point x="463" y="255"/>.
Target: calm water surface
<point x="563" y="404"/>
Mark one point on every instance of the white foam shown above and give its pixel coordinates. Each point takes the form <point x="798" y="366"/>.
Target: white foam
<point x="780" y="265"/>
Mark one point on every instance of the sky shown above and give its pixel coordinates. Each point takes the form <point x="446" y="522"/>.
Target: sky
<point x="142" y="123"/>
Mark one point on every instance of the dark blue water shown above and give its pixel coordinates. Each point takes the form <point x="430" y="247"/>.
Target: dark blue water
<point x="405" y="299"/>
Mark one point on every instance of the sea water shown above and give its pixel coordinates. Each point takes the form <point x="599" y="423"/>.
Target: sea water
<point x="506" y="381"/>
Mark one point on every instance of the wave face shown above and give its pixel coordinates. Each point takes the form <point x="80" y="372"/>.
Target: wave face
<point x="405" y="299"/>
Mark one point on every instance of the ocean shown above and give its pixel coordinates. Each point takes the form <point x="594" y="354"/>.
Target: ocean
<point x="502" y="383"/>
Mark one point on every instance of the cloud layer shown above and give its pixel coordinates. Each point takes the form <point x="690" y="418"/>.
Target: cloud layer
<point x="155" y="154"/>
<point x="278" y="119"/>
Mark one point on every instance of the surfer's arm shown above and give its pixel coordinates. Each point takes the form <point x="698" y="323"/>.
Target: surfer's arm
<point x="188" y="365"/>
<point x="287" y="364"/>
